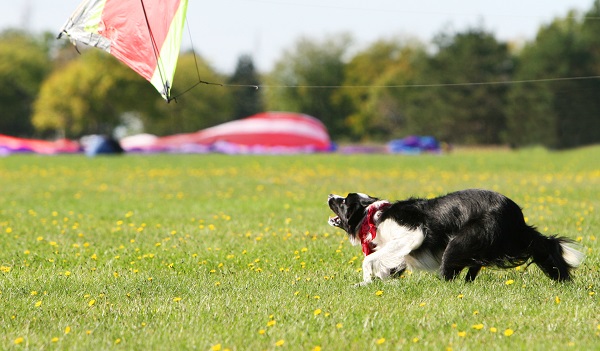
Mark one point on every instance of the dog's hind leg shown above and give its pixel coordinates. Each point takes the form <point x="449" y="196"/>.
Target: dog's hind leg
<point x="453" y="262"/>
<point x="449" y="273"/>
<point x="459" y="254"/>
<point x="472" y="273"/>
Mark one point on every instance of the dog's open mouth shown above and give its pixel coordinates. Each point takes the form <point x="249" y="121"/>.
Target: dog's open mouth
<point x="335" y="221"/>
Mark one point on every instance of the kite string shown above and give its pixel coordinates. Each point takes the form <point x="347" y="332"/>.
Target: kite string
<point x="397" y="86"/>
<point x="200" y="81"/>
<point x="432" y="85"/>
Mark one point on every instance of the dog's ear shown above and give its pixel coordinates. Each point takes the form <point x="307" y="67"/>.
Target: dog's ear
<point x="361" y="199"/>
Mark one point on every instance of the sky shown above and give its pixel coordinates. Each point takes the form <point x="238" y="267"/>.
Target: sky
<point x="222" y="30"/>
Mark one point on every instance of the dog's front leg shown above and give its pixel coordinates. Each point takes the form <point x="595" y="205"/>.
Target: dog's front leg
<point x="370" y="266"/>
<point x="367" y="268"/>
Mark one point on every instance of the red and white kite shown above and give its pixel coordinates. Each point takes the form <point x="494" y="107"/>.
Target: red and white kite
<point x="144" y="34"/>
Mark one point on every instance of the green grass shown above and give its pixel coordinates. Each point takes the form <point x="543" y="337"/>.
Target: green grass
<point x="209" y="251"/>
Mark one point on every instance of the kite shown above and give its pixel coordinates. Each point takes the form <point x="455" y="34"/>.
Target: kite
<point x="143" y="34"/>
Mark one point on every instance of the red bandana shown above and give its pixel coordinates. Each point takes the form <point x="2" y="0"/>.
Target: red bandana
<point x="369" y="227"/>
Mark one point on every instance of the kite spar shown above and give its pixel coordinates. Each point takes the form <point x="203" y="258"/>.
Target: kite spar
<point x="143" y="34"/>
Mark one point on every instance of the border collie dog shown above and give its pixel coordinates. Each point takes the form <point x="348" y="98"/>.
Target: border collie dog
<point x="465" y="229"/>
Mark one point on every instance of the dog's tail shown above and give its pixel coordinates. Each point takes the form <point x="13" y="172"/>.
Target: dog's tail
<point x="556" y="256"/>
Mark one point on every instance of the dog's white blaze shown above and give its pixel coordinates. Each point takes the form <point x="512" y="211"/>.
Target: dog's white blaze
<point x="410" y="240"/>
<point x="393" y="242"/>
<point x="572" y="256"/>
<point x="390" y="230"/>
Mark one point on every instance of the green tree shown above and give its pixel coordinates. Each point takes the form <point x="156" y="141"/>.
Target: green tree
<point x="24" y="64"/>
<point x="558" y="113"/>
<point x="455" y="111"/>
<point x="88" y="95"/>
<point x="372" y="77"/>
<point x="199" y="107"/>
<point x="307" y="78"/>
<point x="246" y="100"/>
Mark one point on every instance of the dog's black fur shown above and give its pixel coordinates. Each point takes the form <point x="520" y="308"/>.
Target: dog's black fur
<point x="465" y="229"/>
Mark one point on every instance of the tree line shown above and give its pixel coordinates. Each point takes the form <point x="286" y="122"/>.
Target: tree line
<point x="463" y="87"/>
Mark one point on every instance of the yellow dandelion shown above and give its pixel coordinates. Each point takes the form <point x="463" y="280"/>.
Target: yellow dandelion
<point x="317" y="312"/>
<point x="262" y="332"/>
<point x="67" y="273"/>
<point x="54" y="339"/>
<point x="509" y="282"/>
<point x="462" y="334"/>
<point x="176" y="299"/>
<point x="316" y="348"/>
<point x="280" y="343"/>
<point x="5" y="269"/>
<point x="118" y="341"/>
<point x="460" y="296"/>
<point x="91" y="302"/>
<point x="380" y="341"/>
<point x="38" y="303"/>
<point x="67" y="329"/>
<point x="19" y="340"/>
<point x="508" y="332"/>
<point x="271" y="323"/>
<point x="493" y="330"/>
<point x="340" y="326"/>
<point x="557" y="299"/>
<point x="422" y="304"/>
<point x="477" y="326"/>
<point x="379" y="292"/>
<point x="415" y="340"/>
<point x="216" y="347"/>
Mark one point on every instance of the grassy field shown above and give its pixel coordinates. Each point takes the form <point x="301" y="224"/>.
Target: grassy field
<point x="213" y="252"/>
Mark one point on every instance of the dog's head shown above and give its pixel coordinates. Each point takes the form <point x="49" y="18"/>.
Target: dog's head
<point x="349" y="211"/>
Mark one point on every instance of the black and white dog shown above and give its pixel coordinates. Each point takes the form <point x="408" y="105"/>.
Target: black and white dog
<point x="465" y="229"/>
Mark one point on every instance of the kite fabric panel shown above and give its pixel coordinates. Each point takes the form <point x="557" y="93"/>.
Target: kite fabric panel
<point x="144" y="34"/>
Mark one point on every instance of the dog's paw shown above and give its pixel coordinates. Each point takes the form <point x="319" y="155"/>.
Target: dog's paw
<point x="361" y="284"/>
